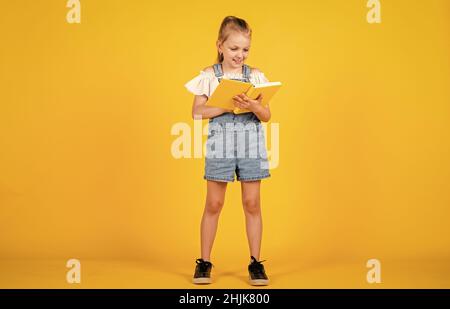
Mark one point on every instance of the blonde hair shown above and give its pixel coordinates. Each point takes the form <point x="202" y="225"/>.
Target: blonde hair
<point x="231" y="23"/>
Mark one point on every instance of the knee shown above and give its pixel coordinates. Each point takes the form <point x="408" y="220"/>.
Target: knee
<point x="214" y="206"/>
<point x="251" y="206"/>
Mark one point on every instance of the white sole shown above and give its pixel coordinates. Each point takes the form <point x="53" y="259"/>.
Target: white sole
<point x="201" y="280"/>
<point x="259" y="281"/>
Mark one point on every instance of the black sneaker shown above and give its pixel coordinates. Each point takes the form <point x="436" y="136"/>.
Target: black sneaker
<point x="202" y="273"/>
<point x="257" y="274"/>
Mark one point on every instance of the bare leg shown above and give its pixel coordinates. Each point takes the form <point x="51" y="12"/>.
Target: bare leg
<point x="253" y="218"/>
<point x="215" y="198"/>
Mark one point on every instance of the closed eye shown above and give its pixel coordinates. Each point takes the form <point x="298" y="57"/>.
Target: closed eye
<point x="233" y="49"/>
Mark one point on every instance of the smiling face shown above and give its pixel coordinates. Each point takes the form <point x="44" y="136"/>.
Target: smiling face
<point x="235" y="49"/>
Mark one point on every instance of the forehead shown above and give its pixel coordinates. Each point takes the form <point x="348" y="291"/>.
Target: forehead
<point x="238" y="39"/>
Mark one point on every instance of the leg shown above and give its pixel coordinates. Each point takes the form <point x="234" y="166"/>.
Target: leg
<point x="253" y="218"/>
<point x="215" y="198"/>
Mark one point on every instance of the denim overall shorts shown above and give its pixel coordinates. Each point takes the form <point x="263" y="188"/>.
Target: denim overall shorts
<point x="235" y="144"/>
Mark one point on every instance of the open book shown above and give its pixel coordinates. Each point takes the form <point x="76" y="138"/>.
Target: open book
<point x="228" y="88"/>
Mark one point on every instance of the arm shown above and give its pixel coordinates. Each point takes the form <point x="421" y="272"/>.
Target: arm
<point x="200" y="109"/>
<point x="262" y="112"/>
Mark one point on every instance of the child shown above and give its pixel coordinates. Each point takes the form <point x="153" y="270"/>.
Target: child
<point x="233" y="47"/>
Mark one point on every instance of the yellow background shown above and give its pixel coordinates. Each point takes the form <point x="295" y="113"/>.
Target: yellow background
<point x="85" y="164"/>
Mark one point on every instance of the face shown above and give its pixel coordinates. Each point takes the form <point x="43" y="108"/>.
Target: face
<point x="235" y="49"/>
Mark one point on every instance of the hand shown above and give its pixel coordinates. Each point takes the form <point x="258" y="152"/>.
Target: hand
<point x="242" y="101"/>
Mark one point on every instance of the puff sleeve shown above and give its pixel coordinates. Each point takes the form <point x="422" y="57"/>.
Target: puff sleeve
<point x="203" y="84"/>
<point x="258" y="78"/>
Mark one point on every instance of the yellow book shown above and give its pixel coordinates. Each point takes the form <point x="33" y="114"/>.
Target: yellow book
<point x="228" y="88"/>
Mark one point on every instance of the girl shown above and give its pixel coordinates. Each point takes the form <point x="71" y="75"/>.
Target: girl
<point x="233" y="46"/>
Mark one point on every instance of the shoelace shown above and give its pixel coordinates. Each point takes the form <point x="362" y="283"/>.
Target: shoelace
<point x="257" y="265"/>
<point x="203" y="265"/>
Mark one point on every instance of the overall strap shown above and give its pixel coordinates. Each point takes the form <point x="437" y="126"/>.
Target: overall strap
<point x="246" y="72"/>
<point x="218" y="71"/>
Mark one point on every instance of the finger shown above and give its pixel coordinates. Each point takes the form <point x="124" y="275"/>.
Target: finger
<point x="243" y="96"/>
<point x="243" y="105"/>
<point x="238" y="104"/>
<point x="238" y="99"/>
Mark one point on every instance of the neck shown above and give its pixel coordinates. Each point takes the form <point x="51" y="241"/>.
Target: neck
<point x="227" y="69"/>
